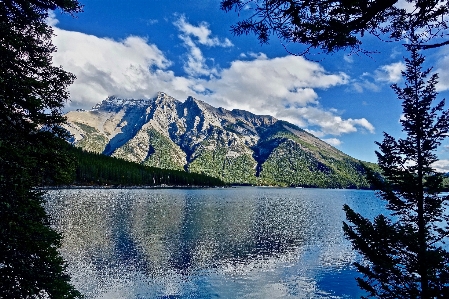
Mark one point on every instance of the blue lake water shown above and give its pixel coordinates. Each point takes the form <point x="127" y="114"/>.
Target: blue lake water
<point x="246" y="242"/>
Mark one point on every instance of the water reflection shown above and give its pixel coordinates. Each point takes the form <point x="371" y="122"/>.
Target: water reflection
<point x="213" y="243"/>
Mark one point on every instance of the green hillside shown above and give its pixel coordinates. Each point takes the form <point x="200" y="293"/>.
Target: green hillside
<point x="98" y="169"/>
<point x="288" y="160"/>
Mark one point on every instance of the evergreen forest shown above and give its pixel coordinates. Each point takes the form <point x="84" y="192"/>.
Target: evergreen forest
<point x="92" y="169"/>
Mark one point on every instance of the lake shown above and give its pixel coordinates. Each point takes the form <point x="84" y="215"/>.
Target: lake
<point x="245" y="242"/>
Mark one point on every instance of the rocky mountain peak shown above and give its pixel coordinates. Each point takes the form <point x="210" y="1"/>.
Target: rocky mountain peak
<point x="190" y="99"/>
<point x="193" y="102"/>
<point x="162" y="96"/>
<point x="256" y="120"/>
<point x="163" y="99"/>
<point x="236" y="146"/>
<point x="114" y="103"/>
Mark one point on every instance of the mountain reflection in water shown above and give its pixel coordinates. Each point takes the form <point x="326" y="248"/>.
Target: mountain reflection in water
<point x="208" y="243"/>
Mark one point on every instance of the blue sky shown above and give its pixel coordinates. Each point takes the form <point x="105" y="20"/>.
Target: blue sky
<point x="136" y="48"/>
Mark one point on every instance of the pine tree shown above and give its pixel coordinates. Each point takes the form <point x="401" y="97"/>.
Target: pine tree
<point x="404" y="254"/>
<point x="331" y="25"/>
<point x="32" y="150"/>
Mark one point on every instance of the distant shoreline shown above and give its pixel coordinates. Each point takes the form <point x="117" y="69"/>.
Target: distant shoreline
<point x="163" y="186"/>
<point x="127" y="187"/>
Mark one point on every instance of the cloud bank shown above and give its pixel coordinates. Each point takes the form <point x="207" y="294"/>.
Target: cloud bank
<point x="284" y="87"/>
<point x="441" y="166"/>
<point x="104" y="67"/>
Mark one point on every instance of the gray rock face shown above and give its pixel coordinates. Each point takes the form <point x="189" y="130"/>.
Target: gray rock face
<point x="236" y="146"/>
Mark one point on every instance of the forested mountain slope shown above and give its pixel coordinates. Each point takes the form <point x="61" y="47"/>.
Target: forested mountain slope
<point x="235" y="146"/>
<point x="92" y="169"/>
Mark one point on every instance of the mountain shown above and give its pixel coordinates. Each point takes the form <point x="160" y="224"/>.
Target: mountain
<point x="236" y="146"/>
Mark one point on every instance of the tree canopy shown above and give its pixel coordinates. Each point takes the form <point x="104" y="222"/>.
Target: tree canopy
<point x="334" y="25"/>
<point x="32" y="91"/>
<point x="404" y="252"/>
<point x="32" y="94"/>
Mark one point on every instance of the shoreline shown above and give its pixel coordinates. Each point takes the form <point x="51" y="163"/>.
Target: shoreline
<point x="164" y="186"/>
<point x="128" y="187"/>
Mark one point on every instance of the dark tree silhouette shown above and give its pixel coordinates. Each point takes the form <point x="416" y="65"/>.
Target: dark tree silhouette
<point x="32" y="151"/>
<point x="404" y="252"/>
<point x="331" y="25"/>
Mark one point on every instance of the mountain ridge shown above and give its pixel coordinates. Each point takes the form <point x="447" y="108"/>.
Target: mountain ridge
<point x="236" y="146"/>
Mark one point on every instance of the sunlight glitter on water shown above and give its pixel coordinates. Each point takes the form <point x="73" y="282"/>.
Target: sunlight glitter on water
<point x="208" y="243"/>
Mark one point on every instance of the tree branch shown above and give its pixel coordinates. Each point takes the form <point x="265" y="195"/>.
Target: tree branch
<point x="431" y="46"/>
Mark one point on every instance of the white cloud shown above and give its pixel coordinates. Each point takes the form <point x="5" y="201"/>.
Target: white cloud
<point x="327" y="122"/>
<point x="196" y="64"/>
<point x="259" y="55"/>
<point x="104" y="67"/>
<point x="268" y="86"/>
<point x="202" y="33"/>
<point x="151" y="21"/>
<point x="348" y="58"/>
<point x="395" y="53"/>
<point x="441" y="166"/>
<point x="51" y="19"/>
<point x="390" y="73"/>
<point x="443" y="70"/>
<point x="403" y="4"/>
<point x="333" y="141"/>
<point x="362" y="85"/>
<point x="283" y="87"/>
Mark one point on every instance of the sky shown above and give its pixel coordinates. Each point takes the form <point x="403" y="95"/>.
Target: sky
<point x="134" y="49"/>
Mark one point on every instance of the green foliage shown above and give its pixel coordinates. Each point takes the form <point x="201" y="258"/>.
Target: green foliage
<point x="221" y="164"/>
<point x="32" y="150"/>
<point x="93" y="141"/>
<point x="31" y="264"/>
<point x="334" y="25"/>
<point x="289" y="164"/>
<point x="288" y="160"/>
<point x="97" y="169"/>
<point x="403" y="251"/>
<point x="446" y="183"/>
<point x="162" y="153"/>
